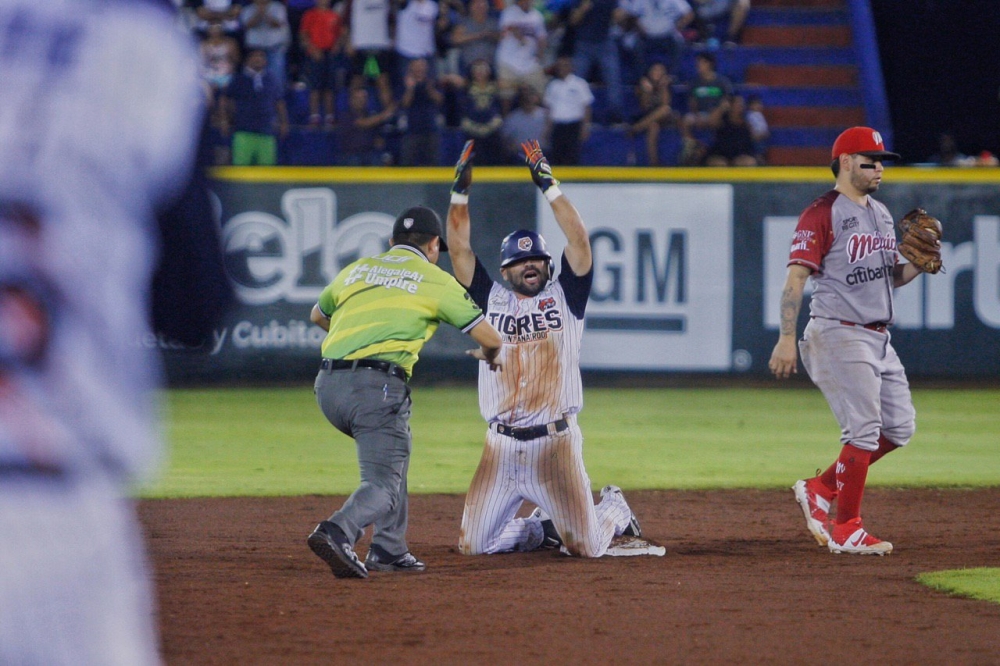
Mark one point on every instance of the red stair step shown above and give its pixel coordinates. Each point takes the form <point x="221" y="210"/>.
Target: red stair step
<point x="826" y="4"/>
<point x="814" y="116"/>
<point x="802" y="75"/>
<point x="800" y="35"/>
<point x="798" y="156"/>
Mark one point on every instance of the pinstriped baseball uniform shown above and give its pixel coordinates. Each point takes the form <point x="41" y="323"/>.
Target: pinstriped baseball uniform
<point x="851" y="250"/>
<point x="540" y="385"/>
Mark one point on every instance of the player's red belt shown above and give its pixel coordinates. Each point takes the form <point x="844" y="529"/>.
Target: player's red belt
<point x="874" y="326"/>
<point x="531" y="432"/>
<point x="331" y="364"/>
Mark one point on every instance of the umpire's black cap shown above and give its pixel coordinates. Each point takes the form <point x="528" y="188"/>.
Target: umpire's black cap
<point x="419" y="219"/>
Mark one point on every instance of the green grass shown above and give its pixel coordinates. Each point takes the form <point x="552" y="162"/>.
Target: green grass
<point x="276" y="441"/>
<point x="975" y="583"/>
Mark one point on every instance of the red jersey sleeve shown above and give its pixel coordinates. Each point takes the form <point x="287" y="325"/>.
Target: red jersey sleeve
<point x="813" y="234"/>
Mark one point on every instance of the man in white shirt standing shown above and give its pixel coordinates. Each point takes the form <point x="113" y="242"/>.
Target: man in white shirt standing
<point x="520" y="51"/>
<point x="660" y="23"/>
<point x="415" y="36"/>
<point x="569" y="100"/>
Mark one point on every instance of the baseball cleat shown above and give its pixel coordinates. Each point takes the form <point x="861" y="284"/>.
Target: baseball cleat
<point x="633" y="528"/>
<point x="851" y="537"/>
<point x="816" y="509"/>
<point x="551" y="539"/>
<point x="332" y="546"/>
<point x="379" y="560"/>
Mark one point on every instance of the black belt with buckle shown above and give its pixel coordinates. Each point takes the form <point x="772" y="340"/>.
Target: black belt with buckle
<point x="331" y="364"/>
<point x="532" y="432"/>
<point x="879" y="326"/>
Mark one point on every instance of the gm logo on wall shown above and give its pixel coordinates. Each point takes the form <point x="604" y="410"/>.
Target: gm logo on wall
<point x="271" y="259"/>
<point x="662" y="295"/>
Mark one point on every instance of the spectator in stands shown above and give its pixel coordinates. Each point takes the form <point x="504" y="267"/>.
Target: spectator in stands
<point x="520" y="50"/>
<point x="360" y="139"/>
<point x="450" y="13"/>
<point x="569" y="100"/>
<point x="220" y="54"/>
<point x="655" y="110"/>
<point x="265" y="27"/>
<point x="759" y="128"/>
<point x="224" y="12"/>
<point x="595" y="46"/>
<point x="421" y="107"/>
<point x="733" y="144"/>
<point x="296" y="9"/>
<point x="709" y="15"/>
<point x="529" y="120"/>
<point x="447" y="71"/>
<point x="415" y="26"/>
<point x="708" y="99"/>
<point x="660" y="24"/>
<point x="476" y="36"/>
<point x="481" y="115"/>
<point x="254" y="109"/>
<point x="321" y="33"/>
<point x="948" y="153"/>
<point x="369" y="44"/>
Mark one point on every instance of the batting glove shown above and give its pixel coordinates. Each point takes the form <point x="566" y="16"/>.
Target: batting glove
<point x="463" y="171"/>
<point x="541" y="172"/>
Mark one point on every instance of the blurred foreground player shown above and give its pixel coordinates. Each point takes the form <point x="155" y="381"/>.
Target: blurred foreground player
<point x="98" y="120"/>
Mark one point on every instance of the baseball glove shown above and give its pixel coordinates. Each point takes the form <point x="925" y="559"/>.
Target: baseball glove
<point x="463" y="170"/>
<point x="541" y="172"/>
<point x="920" y="241"/>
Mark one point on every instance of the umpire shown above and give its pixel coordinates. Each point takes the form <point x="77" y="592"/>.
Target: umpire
<point x="379" y="312"/>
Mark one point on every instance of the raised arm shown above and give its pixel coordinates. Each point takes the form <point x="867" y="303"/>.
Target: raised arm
<point x="463" y="260"/>
<point x="784" y="358"/>
<point x="578" y="252"/>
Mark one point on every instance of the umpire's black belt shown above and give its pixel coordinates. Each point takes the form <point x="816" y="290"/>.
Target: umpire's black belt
<point x="531" y="432"/>
<point x="331" y="364"/>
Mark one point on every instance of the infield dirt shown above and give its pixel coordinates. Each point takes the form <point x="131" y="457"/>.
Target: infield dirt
<point x="742" y="582"/>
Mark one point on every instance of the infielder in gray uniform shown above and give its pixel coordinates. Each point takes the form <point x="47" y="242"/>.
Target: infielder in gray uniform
<point x="845" y="240"/>
<point x="534" y="447"/>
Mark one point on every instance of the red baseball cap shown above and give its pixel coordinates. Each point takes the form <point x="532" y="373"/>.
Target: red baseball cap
<point x="862" y="141"/>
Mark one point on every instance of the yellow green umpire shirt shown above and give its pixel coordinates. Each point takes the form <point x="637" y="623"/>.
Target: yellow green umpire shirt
<point x="388" y="306"/>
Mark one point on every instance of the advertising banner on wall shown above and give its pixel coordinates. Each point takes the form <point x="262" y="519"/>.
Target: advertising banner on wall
<point x="662" y="294"/>
<point x="687" y="276"/>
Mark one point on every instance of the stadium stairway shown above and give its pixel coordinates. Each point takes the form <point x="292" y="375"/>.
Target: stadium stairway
<point x="798" y="56"/>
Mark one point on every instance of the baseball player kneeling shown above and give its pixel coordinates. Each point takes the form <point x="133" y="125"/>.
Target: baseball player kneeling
<point x="534" y="447"/>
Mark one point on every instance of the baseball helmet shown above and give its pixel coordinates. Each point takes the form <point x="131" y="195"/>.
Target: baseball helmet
<point x="523" y="244"/>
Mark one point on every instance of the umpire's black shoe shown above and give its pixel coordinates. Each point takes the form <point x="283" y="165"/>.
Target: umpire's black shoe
<point x="332" y="546"/>
<point x="379" y="560"/>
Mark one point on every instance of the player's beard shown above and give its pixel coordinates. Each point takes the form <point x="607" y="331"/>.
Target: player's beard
<point x="516" y="277"/>
<point x="862" y="184"/>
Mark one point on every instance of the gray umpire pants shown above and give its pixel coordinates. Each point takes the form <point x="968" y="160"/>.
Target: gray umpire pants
<point x="373" y="408"/>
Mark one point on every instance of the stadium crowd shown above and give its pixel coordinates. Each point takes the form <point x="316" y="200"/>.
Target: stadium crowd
<point x="386" y="79"/>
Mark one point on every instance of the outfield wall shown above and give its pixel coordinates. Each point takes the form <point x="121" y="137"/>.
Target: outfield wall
<point x="689" y="263"/>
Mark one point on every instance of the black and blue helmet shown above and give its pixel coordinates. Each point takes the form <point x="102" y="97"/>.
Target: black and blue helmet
<point x="523" y="244"/>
